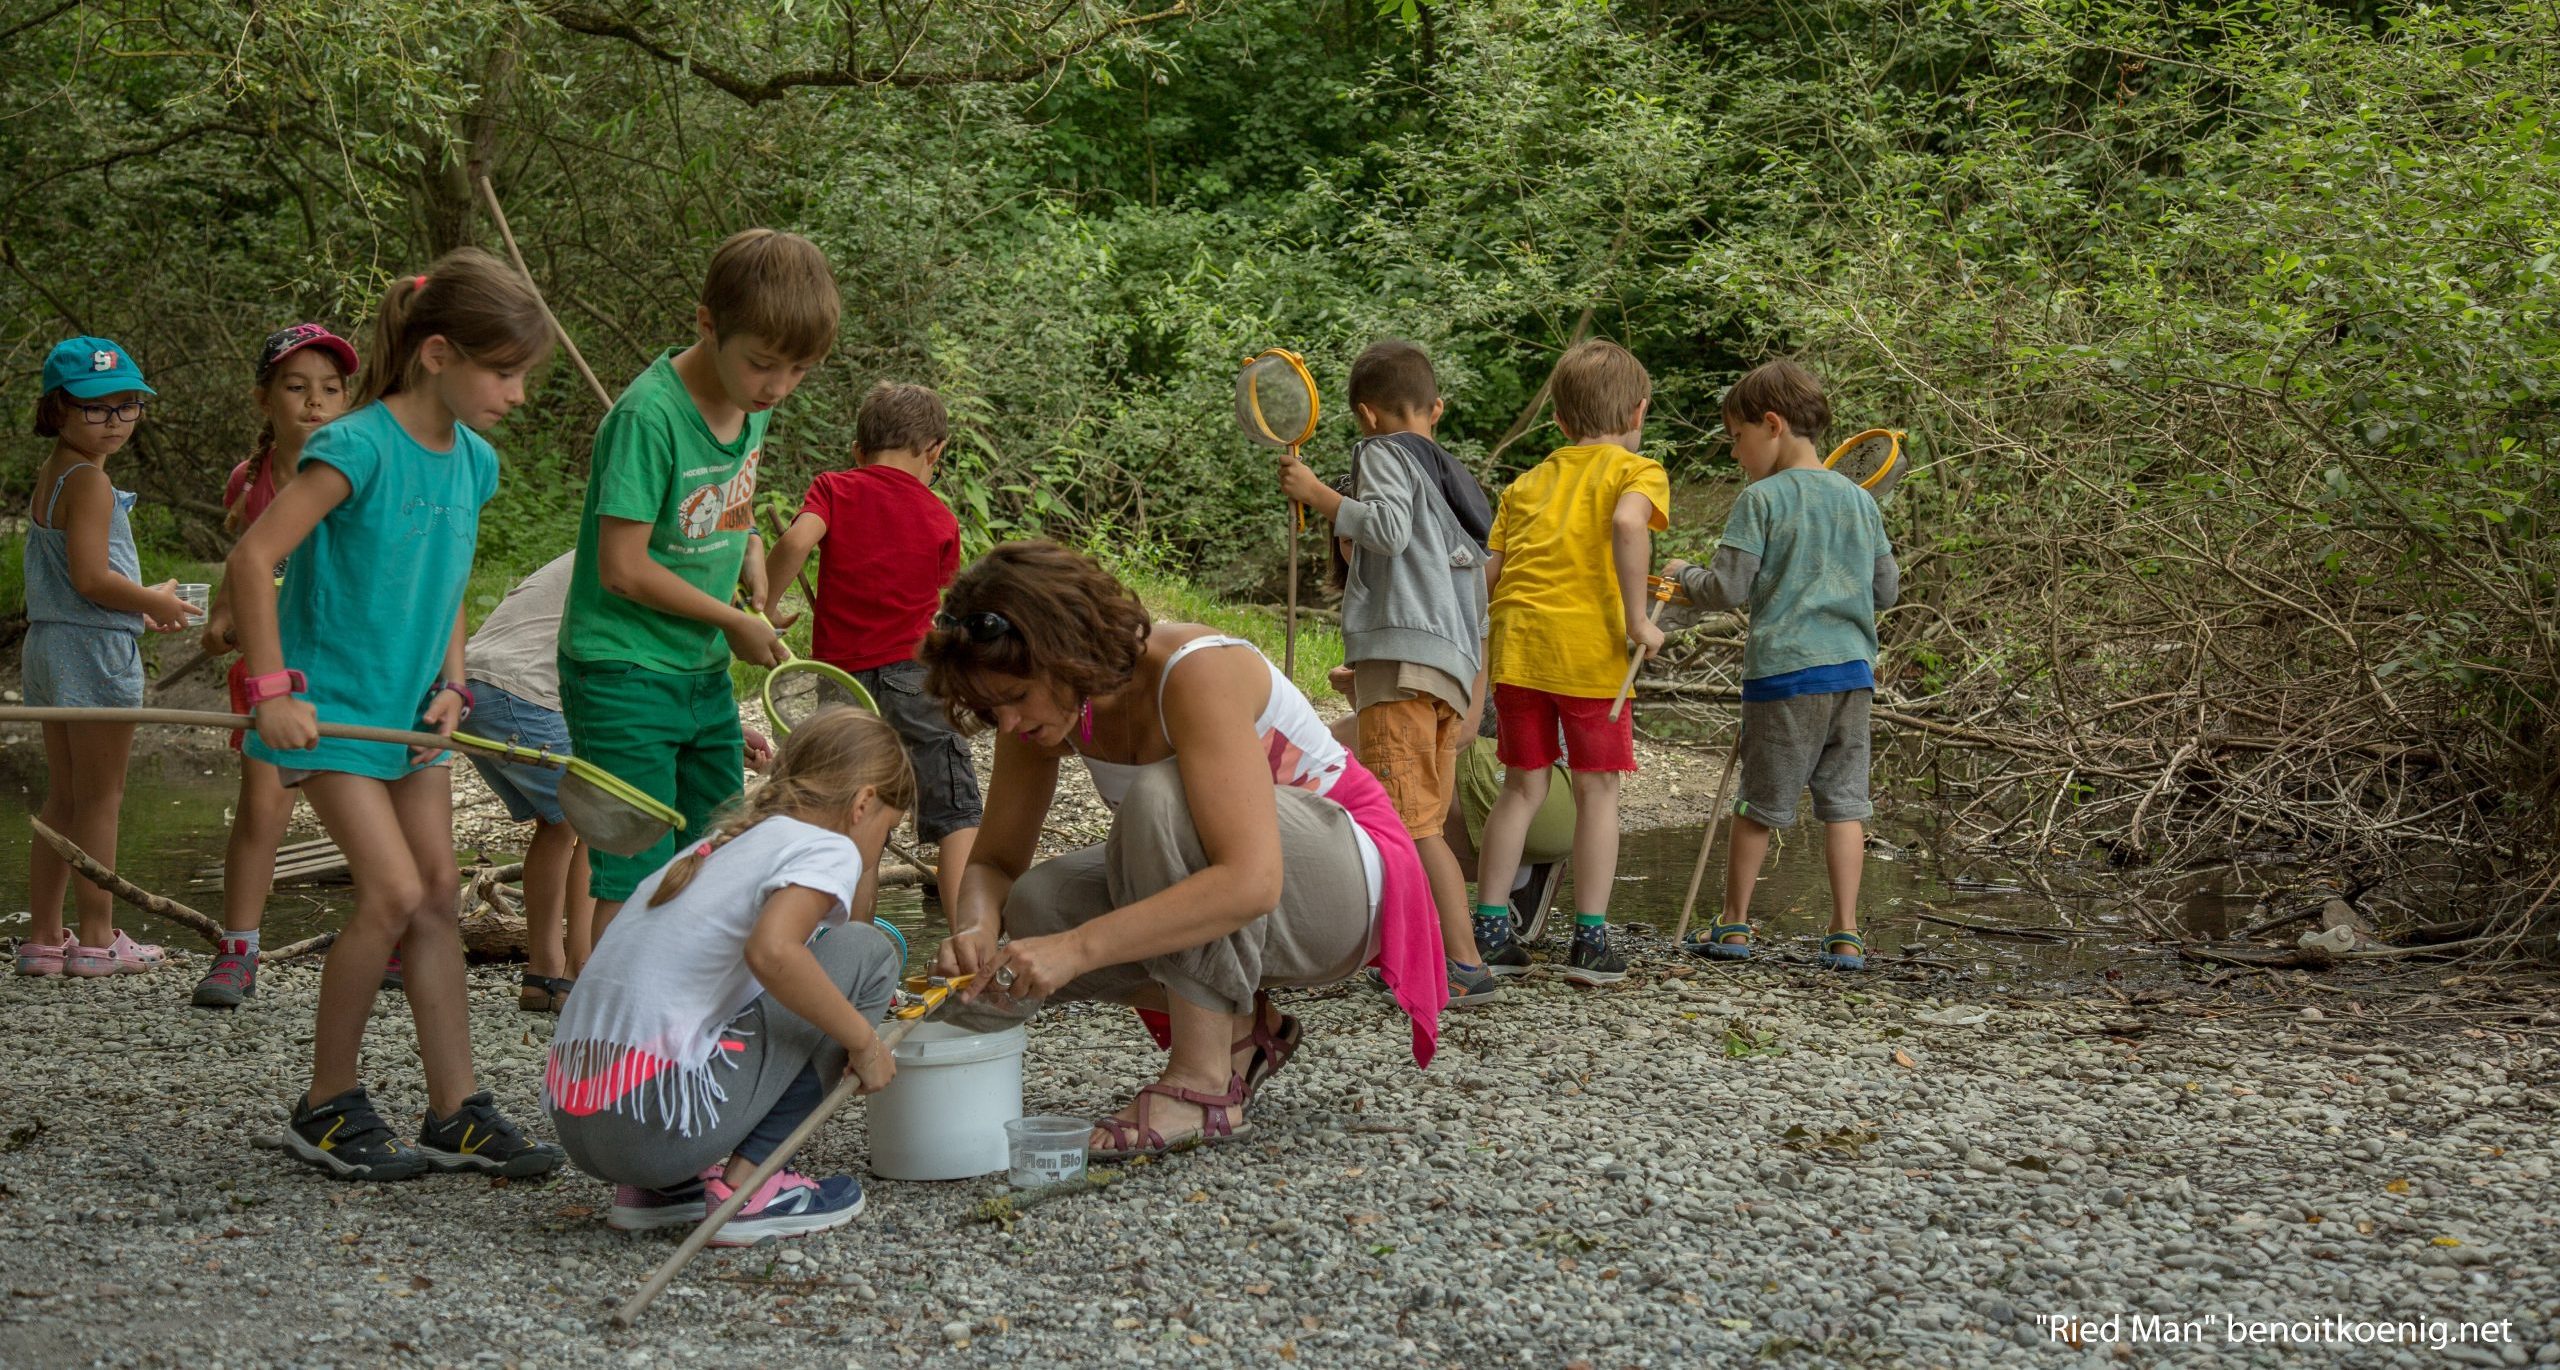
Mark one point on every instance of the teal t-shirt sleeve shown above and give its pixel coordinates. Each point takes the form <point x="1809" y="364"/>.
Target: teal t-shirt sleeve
<point x="488" y="459"/>
<point x="635" y="467"/>
<point x="345" y="449"/>
<point x="1746" y="529"/>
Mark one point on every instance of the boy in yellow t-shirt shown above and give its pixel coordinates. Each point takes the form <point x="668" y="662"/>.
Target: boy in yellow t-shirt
<point x="1570" y="548"/>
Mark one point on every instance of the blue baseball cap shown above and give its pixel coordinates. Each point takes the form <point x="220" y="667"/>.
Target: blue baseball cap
<point x="90" y="367"/>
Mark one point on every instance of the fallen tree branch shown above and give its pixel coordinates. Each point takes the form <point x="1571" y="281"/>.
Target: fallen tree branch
<point x="1003" y="1209"/>
<point x="305" y="947"/>
<point x="97" y="874"/>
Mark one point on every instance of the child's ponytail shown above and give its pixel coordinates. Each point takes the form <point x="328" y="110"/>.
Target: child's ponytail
<point x="473" y="301"/>
<point x="262" y="463"/>
<point x="825" y="764"/>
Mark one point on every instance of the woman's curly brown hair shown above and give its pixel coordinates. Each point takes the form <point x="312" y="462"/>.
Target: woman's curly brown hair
<point x="1067" y="621"/>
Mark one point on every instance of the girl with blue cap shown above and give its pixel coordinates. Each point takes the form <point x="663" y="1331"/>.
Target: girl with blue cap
<point x="87" y="609"/>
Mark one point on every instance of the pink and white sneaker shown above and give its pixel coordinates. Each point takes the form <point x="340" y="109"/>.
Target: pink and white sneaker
<point x="123" y="956"/>
<point x="42" y="959"/>
<point x="790" y="1205"/>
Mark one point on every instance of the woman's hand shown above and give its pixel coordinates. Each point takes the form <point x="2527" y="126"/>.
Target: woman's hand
<point x="442" y="716"/>
<point x="286" y="723"/>
<point x="1034" y="968"/>
<point x="870" y="1063"/>
<point x="968" y="951"/>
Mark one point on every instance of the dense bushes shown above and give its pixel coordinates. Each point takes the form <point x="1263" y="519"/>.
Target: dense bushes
<point x="2225" y="335"/>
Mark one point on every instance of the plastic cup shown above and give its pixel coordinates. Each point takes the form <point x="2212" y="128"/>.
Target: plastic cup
<point x="1046" y="1150"/>
<point x="199" y="599"/>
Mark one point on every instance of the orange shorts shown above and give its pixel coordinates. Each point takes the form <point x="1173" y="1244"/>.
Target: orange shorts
<point x="1412" y="746"/>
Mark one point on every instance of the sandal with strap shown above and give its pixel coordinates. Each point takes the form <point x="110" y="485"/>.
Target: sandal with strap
<point x="1133" y="1137"/>
<point x="1272" y="1047"/>
<point x="1711" y="943"/>
<point x="543" y="993"/>
<point x="1852" y="956"/>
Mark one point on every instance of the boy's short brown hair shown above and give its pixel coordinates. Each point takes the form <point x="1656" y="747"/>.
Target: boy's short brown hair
<point x="896" y="415"/>
<point x="775" y="286"/>
<point x="1394" y="377"/>
<point x="1786" y="390"/>
<point x="53" y="413"/>
<point x="1597" y="388"/>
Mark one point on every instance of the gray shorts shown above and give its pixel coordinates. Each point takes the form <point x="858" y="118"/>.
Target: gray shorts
<point x="1815" y="740"/>
<point x="76" y="666"/>
<point x="291" y="777"/>
<point x="946" y="783"/>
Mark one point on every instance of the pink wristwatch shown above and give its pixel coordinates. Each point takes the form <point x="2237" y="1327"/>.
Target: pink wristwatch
<point x="258" y="689"/>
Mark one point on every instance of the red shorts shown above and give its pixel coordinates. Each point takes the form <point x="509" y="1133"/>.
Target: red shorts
<point x="1531" y="721"/>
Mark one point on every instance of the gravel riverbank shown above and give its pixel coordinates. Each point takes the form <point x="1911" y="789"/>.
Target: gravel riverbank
<point x="1702" y="1166"/>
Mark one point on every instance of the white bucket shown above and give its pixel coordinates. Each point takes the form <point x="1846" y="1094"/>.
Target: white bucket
<point x="943" y="1117"/>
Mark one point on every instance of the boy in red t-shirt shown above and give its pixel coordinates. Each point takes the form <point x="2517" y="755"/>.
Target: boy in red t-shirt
<point x="886" y="546"/>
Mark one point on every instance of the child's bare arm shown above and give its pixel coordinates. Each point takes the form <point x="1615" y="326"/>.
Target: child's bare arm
<point x="782" y="565"/>
<point x="627" y="569"/>
<point x="284" y="721"/>
<point x="84" y="514"/>
<point x="1632" y="545"/>
<point x="778" y="952"/>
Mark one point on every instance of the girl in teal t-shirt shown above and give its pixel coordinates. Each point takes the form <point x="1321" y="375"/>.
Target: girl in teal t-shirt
<point x="380" y="523"/>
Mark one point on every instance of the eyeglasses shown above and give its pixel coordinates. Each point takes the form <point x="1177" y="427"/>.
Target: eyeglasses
<point x="982" y="626"/>
<point x="126" y="412"/>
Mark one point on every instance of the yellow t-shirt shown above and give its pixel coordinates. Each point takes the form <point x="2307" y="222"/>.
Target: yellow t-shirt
<point x="1558" y="622"/>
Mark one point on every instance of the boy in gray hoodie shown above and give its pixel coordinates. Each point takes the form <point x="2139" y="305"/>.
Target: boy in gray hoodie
<point x="1413" y="614"/>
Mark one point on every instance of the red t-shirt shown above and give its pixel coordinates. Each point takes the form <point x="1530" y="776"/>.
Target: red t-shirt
<point x="252" y="487"/>
<point x="891" y="546"/>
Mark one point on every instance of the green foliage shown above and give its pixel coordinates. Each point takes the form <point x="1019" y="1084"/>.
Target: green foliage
<point x="2233" y="330"/>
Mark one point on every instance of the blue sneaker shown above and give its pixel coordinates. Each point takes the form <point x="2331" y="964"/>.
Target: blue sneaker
<point x="790" y="1205"/>
<point x="646" y="1210"/>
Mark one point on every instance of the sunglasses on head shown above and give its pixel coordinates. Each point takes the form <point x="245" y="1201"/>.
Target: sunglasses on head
<point x="982" y="626"/>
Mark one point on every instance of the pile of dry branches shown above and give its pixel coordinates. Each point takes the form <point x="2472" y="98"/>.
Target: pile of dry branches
<point x="2195" y="671"/>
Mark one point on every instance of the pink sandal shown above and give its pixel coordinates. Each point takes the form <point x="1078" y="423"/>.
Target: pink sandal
<point x="1272" y="1047"/>
<point x="44" y="958"/>
<point x="122" y="956"/>
<point x="1135" y="1138"/>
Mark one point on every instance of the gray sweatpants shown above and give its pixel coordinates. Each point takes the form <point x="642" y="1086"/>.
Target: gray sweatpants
<point x="1318" y="935"/>
<point x="774" y="1046"/>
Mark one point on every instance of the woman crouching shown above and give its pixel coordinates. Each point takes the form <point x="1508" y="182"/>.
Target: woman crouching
<point x="1248" y="850"/>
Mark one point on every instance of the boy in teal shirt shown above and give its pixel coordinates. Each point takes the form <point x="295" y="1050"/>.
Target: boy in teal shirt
<point x="1805" y="550"/>
<point x="668" y="536"/>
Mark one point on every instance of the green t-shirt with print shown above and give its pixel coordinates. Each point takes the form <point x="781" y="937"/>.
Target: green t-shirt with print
<point x="657" y="463"/>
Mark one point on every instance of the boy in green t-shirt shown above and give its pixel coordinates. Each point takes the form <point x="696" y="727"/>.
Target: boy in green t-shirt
<point x="668" y="536"/>
<point x="1806" y="550"/>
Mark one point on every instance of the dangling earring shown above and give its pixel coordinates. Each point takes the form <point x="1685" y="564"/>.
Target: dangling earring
<point x="1088" y="722"/>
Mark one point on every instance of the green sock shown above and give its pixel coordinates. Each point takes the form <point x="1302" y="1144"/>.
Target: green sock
<point x="1493" y="926"/>
<point x="1590" y="927"/>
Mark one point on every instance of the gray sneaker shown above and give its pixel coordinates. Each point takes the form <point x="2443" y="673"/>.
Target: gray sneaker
<point x="1467" y="988"/>
<point x="234" y="977"/>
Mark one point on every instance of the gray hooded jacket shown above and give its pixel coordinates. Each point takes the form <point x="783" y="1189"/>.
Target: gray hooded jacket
<point x="1416" y="587"/>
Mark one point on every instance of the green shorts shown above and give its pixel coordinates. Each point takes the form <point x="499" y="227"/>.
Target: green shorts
<point x="673" y="737"/>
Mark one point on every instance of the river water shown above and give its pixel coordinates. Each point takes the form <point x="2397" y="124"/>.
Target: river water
<point x="178" y="809"/>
